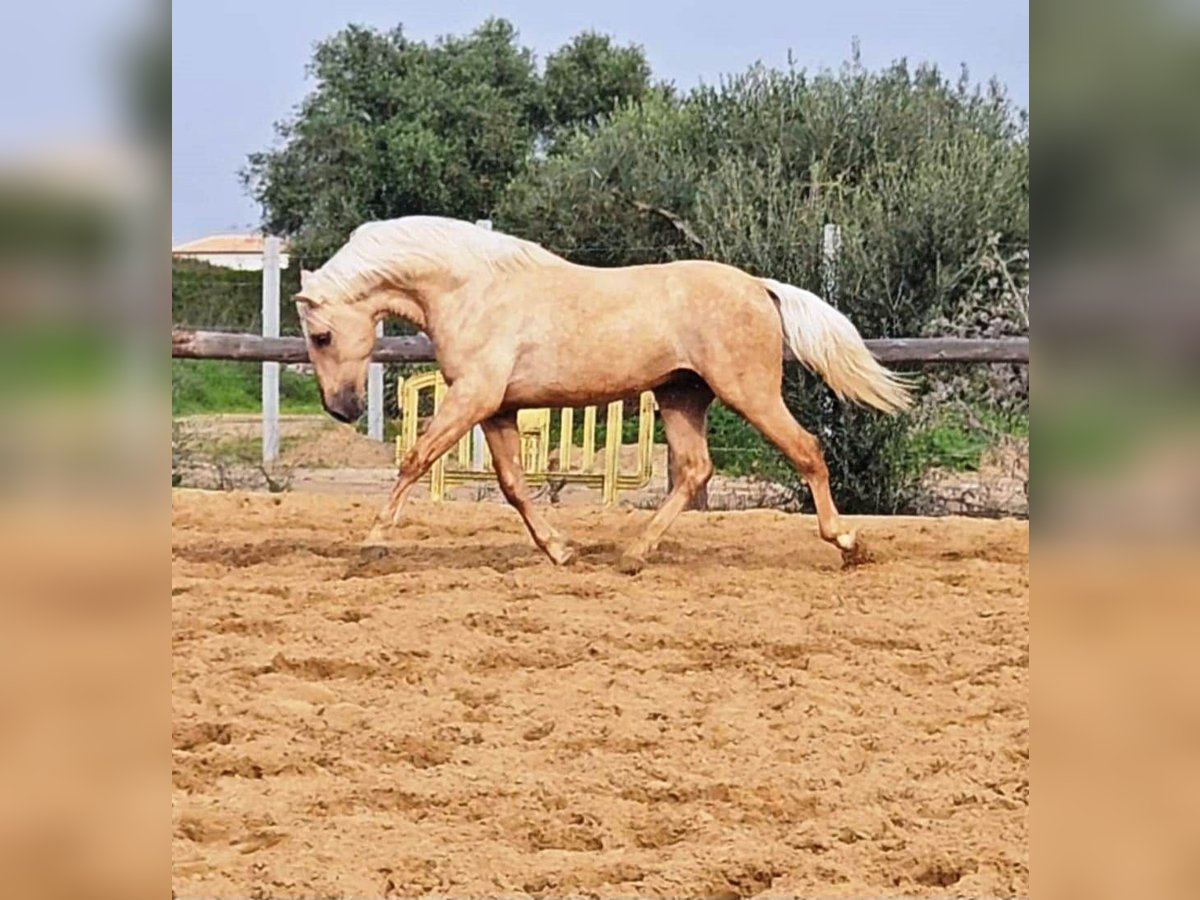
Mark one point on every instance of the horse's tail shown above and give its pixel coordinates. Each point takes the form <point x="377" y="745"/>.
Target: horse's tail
<point x="825" y="341"/>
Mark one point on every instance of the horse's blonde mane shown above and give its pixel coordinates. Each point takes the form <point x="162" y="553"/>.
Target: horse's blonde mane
<point x="397" y="249"/>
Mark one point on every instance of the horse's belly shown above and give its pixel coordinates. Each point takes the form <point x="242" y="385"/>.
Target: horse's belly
<point x="585" y="378"/>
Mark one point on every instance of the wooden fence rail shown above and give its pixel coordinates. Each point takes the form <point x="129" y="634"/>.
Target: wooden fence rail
<point x="417" y="349"/>
<point x="256" y="348"/>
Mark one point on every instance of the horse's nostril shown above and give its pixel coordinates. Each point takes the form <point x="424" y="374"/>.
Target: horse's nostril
<point x="345" y="406"/>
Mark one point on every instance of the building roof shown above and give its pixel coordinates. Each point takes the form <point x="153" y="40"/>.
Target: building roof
<point x="224" y="243"/>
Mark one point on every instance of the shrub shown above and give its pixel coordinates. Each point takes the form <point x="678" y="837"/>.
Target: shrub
<point x="928" y="180"/>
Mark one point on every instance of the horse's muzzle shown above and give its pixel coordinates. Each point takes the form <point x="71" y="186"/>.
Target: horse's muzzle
<point x="346" y="406"/>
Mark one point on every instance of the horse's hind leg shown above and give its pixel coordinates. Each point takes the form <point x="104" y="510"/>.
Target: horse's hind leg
<point x="766" y="411"/>
<point x="504" y="440"/>
<point x="684" y="411"/>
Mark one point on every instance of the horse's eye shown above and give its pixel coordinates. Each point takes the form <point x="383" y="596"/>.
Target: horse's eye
<point x="323" y="339"/>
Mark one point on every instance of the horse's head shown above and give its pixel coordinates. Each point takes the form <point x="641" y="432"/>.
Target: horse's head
<point x="340" y="340"/>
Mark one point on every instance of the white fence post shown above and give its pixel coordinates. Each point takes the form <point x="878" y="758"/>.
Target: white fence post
<point x="831" y="248"/>
<point x="375" y="395"/>
<point x="270" y="370"/>
<point x="477" y="437"/>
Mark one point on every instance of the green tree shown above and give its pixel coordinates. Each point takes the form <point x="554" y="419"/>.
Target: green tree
<point x="212" y="297"/>
<point x="591" y="76"/>
<point x="396" y="126"/>
<point x="928" y="179"/>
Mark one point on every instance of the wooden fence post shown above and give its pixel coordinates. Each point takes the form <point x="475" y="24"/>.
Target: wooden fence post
<point x="270" y="370"/>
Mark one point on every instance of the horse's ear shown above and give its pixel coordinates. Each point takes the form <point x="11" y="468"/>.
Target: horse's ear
<point x="303" y="305"/>
<point x="305" y="275"/>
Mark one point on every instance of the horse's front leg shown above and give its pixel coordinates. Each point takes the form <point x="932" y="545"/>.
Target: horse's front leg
<point x="504" y="440"/>
<point x="466" y="404"/>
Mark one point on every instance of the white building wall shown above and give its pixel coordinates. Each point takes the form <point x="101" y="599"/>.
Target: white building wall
<point x="243" y="262"/>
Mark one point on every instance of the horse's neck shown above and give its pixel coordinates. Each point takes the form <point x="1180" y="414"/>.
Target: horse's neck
<point x="395" y="304"/>
<point x="429" y="299"/>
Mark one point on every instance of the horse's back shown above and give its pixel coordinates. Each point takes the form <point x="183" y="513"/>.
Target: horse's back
<point x="583" y="333"/>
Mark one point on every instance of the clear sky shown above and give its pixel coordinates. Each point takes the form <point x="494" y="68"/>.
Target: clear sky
<point x="239" y="65"/>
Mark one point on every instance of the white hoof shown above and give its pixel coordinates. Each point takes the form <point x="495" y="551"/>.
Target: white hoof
<point x="377" y="537"/>
<point x="560" y="552"/>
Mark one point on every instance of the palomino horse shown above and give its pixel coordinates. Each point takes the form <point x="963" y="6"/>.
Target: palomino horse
<point x="514" y="326"/>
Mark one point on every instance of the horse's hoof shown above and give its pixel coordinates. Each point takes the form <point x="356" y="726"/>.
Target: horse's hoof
<point x="369" y="553"/>
<point x="630" y="564"/>
<point x="561" y="554"/>
<point x="377" y="537"/>
<point x="856" y="554"/>
<point x="366" y="562"/>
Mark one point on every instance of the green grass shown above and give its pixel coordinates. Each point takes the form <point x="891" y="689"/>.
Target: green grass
<point x="954" y="443"/>
<point x="950" y="445"/>
<point x="738" y="449"/>
<point x="220" y="386"/>
<point x="224" y="386"/>
<point x="240" y="450"/>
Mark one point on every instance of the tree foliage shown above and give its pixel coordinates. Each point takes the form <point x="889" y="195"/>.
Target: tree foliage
<point x="927" y="178"/>
<point x="592" y="76"/>
<point x="923" y="175"/>
<point x="396" y="126"/>
<point x="212" y="297"/>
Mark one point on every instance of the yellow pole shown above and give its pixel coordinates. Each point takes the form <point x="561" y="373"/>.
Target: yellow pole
<point x="412" y="411"/>
<point x="612" y="452"/>
<point x="544" y="445"/>
<point x="646" y="434"/>
<point x="589" y="437"/>
<point x="403" y="420"/>
<point x="566" y="440"/>
<point x="437" y="476"/>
